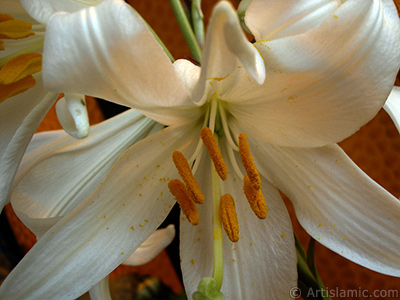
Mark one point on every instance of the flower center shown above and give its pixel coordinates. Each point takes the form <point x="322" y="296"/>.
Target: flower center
<point x="188" y="193"/>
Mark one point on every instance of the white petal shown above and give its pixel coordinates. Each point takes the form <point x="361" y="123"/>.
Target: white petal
<point x="98" y="235"/>
<point x="101" y="290"/>
<point x="41" y="10"/>
<point x="226" y="49"/>
<point x="72" y="114"/>
<point x="261" y="265"/>
<point x="270" y="20"/>
<point x="392" y="106"/>
<point x="151" y="247"/>
<point x="323" y="85"/>
<point x="117" y="59"/>
<point x="337" y="203"/>
<point x="58" y="171"/>
<point x="19" y="118"/>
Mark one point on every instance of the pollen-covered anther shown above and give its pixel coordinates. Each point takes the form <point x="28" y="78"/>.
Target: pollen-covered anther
<point x="13" y="89"/>
<point x="14" y="29"/>
<point x="248" y="162"/>
<point x="228" y="217"/>
<point x="256" y="199"/>
<point x="188" y="207"/>
<point x="187" y="176"/>
<point x="21" y="66"/>
<point x="211" y="144"/>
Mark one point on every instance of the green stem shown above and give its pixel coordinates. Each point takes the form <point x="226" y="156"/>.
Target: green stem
<point x="186" y="29"/>
<point x="218" y="268"/>
<point x="197" y="20"/>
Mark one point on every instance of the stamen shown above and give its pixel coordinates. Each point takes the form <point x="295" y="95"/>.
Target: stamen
<point x="9" y="90"/>
<point x="248" y="162"/>
<point x="256" y="199"/>
<point x="177" y="188"/>
<point x="228" y="216"/>
<point x="14" y="29"/>
<point x="2" y="45"/>
<point x="225" y="126"/>
<point x="20" y="67"/>
<point x="212" y="146"/>
<point x="186" y="174"/>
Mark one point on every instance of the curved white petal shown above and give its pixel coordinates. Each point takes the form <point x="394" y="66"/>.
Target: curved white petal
<point x="337" y="203"/>
<point x="41" y="10"/>
<point x="99" y="234"/>
<point x="19" y="118"/>
<point x="227" y="48"/>
<point x="101" y="290"/>
<point x="323" y="85"/>
<point x="59" y="172"/>
<point x="270" y="20"/>
<point x="262" y="264"/>
<point x="115" y="57"/>
<point x="72" y="114"/>
<point x="392" y="106"/>
<point x="151" y="247"/>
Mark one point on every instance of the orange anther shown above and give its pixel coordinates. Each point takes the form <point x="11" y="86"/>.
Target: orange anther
<point x="248" y="162"/>
<point x="211" y="144"/>
<point x="256" y="199"/>
<point x="177" y="188"/>
<point x="186" y="174"/>
<point x="228" y="216"/>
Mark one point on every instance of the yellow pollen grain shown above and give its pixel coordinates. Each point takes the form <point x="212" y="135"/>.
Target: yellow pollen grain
<point x="186" y="174"/>
<point x="211" y="144"/>
<point x="228" y="216"/>
<point x="21" y="66"/>
<point x="188" y="207"/>
<point x="14" y="29"/>
<point x="10" y="90"/>
<point x="256" y="199"/>
<point x="248" y="162"/>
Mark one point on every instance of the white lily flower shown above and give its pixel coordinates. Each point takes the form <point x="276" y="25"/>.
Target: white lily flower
<point x="23" y="100"/>
<point x="318" y="72"/>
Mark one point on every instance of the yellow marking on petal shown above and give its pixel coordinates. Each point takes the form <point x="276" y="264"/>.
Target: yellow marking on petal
<point x="21" y="66"/>
<point x="256" y="199"/>
<point x="228" y="216"/>
<point x="188" y="207"/>
<point x="248" y="162"/>
<point x="10" y="90"/>
<point x="220" y="78"/>
<point x="14" y="29"/>
<point x="211" y="144"/>
<point x="186" y="174"/>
